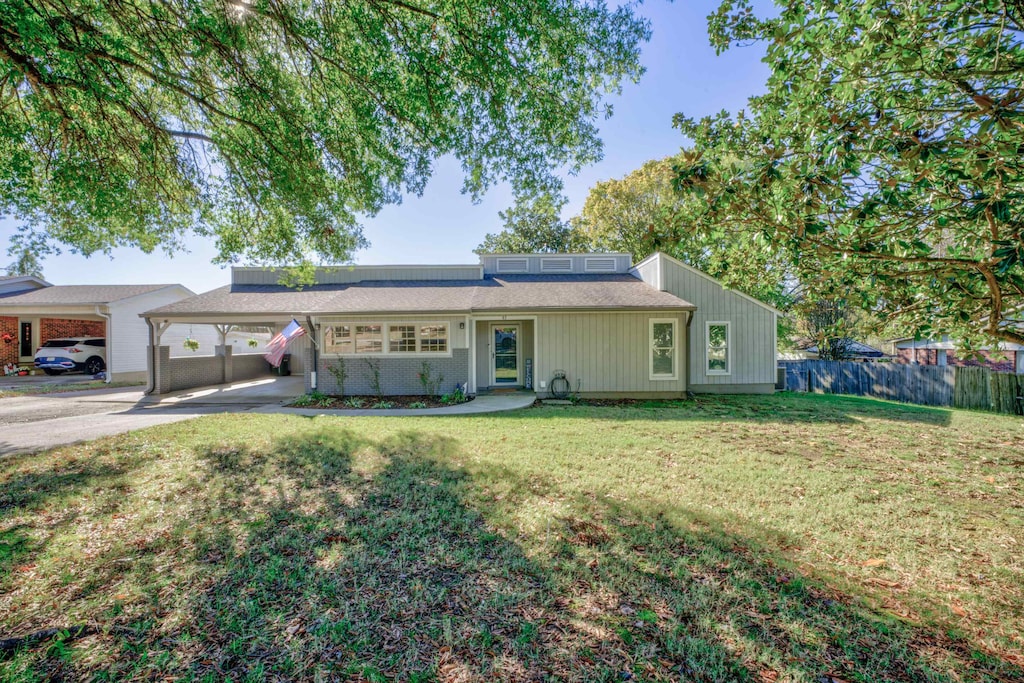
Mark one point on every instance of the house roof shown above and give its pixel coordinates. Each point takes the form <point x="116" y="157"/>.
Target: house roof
<point x="854" y="349"/>
<point x="493" y="293"/>
<point x="75" y="295"/>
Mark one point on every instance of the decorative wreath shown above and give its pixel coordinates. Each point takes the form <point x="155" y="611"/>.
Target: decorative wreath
<point x="8" y="338"/>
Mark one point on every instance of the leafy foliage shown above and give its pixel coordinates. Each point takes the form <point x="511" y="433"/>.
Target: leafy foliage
<point x="885" y="158"/>
<point x="534" y="225"/>
<point x="25" y="263"/>
<point x="642" y="213"/>
<point x="273" y="126"/>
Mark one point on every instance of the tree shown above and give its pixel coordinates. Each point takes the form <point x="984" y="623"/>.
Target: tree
<point x="885" y="158"/>
<point x="829" y="322"/>
<point x="533" y="225"/>
<point x="273" y="126"/>
<point x="25" y="263"/>
<point x="642" y="213"/>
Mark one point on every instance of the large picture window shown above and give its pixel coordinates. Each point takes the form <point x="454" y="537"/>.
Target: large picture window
<point x="663" y="355"/>
<point x="718" y="357"/>
<point x="372" y="338"/>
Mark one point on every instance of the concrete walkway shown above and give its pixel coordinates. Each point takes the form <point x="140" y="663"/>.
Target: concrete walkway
<point x="250" y="392"/>
<point x="491" y="403"/>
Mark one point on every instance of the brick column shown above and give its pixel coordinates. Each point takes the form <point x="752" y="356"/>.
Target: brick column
<point x="161" y="373"/>
<point x="227" y="364"/>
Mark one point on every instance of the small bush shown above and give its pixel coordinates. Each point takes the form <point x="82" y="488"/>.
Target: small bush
<point x="383" y="405"/>
<point x="355" y="402"/>
<point x="313" y="399"/>
<point x="340" y="374"/>
<point x="455" y="397"/>
<point x="418" y="404"/>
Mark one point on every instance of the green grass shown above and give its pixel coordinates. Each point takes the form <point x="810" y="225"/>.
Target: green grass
<point x="42" y="389"/>
<point x="785" y="538"/>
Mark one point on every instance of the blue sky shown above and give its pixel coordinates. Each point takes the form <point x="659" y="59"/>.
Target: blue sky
<point x="444" y="226"/>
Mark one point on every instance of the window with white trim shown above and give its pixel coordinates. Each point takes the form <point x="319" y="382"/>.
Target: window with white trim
<point x="338" y="339"/>
<point x="718" y="357"/>
<point x="663" y="355"/>
<point x="402" y="338"/>
<point x="369" y="338"/>
<point x="376" y="338"/>
<point x="433" y="338"/>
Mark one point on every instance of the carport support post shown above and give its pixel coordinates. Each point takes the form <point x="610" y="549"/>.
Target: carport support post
<point x="224" y="352"/>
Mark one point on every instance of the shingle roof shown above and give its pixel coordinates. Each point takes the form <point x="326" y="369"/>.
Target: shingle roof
<point x="75" y="295"/>
<point x="493" y="293"/>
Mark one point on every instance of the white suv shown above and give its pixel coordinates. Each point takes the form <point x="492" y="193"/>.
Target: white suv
<point x="86" y="354"/>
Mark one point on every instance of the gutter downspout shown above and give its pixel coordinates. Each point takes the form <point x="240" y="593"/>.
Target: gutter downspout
<point x="313" y="342"/>
<point x="151" y="379"/>
<point x="108" y="342"/>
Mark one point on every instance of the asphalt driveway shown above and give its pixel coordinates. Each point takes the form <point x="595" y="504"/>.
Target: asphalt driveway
<point x="34" y="423"/>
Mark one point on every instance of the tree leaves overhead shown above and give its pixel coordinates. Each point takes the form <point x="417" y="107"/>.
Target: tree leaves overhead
<point x="274" y="126"/>
<point x="887" y="157"/>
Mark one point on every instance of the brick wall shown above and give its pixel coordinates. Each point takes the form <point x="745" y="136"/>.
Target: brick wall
<point x="56" y="328"/>
<point x="1006" y="363"/>
<point x="398" y="376"/>
<point x="9" y="351"/>
<point x="188" y="372"/>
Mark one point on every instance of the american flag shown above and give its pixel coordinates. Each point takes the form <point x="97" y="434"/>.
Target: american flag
<point x="279" y="344"/>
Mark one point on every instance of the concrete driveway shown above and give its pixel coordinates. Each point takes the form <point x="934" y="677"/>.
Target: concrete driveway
<point x="34" y="423"/>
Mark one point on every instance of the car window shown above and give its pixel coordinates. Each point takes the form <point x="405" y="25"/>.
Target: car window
<point x="96" y="342"/>
<point x="58" y="343"/>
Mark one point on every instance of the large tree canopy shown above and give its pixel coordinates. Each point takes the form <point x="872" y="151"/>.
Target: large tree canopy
<point x="887" y="157"/>
<point x="274" y="125"/>
<point x="642" y="213"/>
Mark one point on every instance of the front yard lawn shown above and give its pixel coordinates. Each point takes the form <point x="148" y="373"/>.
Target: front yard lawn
<point x="783" y="538"/>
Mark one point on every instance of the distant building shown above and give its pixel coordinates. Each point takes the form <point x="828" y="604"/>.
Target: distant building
<point x="1005" y="357"/>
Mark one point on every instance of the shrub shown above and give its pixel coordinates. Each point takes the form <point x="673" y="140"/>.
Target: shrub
<point x="431" y="385"/>
<point x="340" y="374"/>
<point x="374" y="366"/>
<point x="383" y="405"/>
<point x="355" y="402"/>
<point x="455" y="397"/>
<point x="418" y="404"/>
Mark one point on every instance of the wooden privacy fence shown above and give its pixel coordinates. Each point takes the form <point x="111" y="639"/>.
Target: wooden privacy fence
<point x="930" y="385"/>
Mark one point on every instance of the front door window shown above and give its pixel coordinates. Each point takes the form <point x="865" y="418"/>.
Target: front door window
<point x="506" y="354"/>
<point x="26" y="340"/>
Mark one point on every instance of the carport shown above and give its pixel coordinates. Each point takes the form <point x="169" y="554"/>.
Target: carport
<point x="224" y="367"/>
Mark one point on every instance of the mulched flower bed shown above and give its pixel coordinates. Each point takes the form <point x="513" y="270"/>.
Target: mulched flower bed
<point x="372" y="402"/>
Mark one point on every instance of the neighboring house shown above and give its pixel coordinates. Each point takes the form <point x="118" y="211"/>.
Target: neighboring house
<point x="855" y="351"/>
<point x="1006" y="357"/>
<point x="32" y="311"/>
<point x="655" y="329"/>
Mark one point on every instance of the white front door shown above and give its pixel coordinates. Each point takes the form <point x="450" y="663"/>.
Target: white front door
<point x="506" y="356"/>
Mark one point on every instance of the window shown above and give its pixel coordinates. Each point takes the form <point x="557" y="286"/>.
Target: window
<point x="338" y="339"/>
<point x="718" y="348"/>
<point x="402" y="339"/>
<point x="434" y="338"/>
<point x="663" y="349"/>
<point x="369" y="339"/>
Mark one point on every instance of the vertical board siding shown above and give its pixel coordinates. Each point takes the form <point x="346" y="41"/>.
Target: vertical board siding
<point x="605" y="351"/>
<point x="340" y="275"/>
<point x="533" y="263"/>
<point x="752" y="326"/>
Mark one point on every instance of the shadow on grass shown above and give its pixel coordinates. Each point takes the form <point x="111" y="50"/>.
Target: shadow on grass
<point x="334" y="556"/>
<point x="32" y="489"/>
<point x="786" y="408"/>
